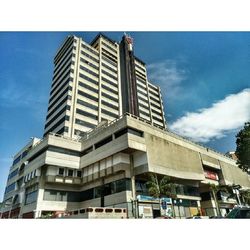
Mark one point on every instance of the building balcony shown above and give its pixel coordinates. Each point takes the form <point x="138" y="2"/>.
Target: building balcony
<point x="63" y="179"/>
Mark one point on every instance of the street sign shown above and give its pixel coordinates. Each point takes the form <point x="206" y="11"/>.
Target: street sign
<point x="164" y="205"/>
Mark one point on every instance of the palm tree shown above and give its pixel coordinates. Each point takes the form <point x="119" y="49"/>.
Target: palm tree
<point x="159" y="187"/>
<point x="245" y="194"/>
<point x="215" y="189"/>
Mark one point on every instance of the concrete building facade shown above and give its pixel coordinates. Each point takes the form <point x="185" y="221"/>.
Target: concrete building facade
<point x="105" y="132"/>
<point x="109" y="167"/>
<point x="99" y="82"/>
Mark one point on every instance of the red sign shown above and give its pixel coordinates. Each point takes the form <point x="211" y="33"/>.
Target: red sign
<point x="211" y="175"/>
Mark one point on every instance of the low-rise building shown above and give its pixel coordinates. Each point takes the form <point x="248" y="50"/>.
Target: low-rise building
<point x="109" y="167"/>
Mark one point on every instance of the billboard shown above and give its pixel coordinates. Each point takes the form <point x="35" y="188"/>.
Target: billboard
<point x="211" y="175"/>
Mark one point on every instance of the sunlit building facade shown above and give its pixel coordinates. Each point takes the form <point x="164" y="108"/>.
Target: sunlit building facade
<point x="105" y="132"/>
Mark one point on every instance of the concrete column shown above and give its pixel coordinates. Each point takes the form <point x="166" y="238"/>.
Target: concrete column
<point x="132" y="177"/>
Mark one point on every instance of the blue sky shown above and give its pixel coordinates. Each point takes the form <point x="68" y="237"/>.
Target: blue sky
<point x="204" y="77"/>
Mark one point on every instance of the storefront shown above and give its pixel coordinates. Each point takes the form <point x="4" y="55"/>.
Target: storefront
<point x="185" y="208"/>
<point x="150" y="207"/>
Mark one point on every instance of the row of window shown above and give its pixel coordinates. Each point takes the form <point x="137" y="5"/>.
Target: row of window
<point x="61" y="121"/>
<point x="109" y="75"/>
<point x="21" y="156"/>
<point x="106" y="112"/>
<point x="86" y="104"/>
<point x="109" y="97"/>
<point x="141" y="75"/>
<point x="152" y="98"/>
<point x="57" y="107"/>
<point x="89" y="71"/>
<point x="109" y="82"/>
<point x="31" y="197"/>
<point x="62" y="130"/>
<point x="109" y="58"/>
<point x="65" y="47"/>
<point x="69" y="172"/>
<point x="62" y="73"/>
<point x="63" y="151"/>
<point x="156" y="112"/>
<point x="140" y="79"/>
<point x="153" y="93"/>
<point x="89" y="56"/>
<point x="10" y="188"/>
<point x="110" y="89"/>
<point x="59" y="97"/>
<point x="65" y="65"/>
<point x="89" y="49"/>
<point x="67" y="107"/>
<point x="154" y="105"/>
<point x="88" y="78"/>
<point x="104" y="190"/>
<point x="86" y="114"/>
<point x="12" y="174"/>
<point x="31" y="194"/>
<point x="89" y="63"/>
<point x="66" y="79"/>
<point x="88" y="87"/>
<point x="87" y="150"/>
<point x="109" y="105"/>
<point x="84" y="123"/>
<point x="112" y="62"/>
<point x="142" y="96"/>
<point x="141" y="68"/>
<point x="107" y="53"/>
<point x="64" y="60"/>
<point x="30" y="176"/>
<point x="139" y="85"/>
<point x="59" y="89"/>
<point x="141" y="92"/>
<point x="144" y="113"/>
<point x="108" y="139"/>
<point x="153" y="87"/>
<point x="93" y="98"/>
<point x="142" y="99"/>
<point x="143" y="106"/>
<point x="109" y="68"/>
<point x="157" y="119"/>
<point x="109" y="47"/>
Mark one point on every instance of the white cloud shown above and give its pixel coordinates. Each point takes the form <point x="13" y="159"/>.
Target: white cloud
<point x="168" y="75"/>
<point x="214" y="122"/>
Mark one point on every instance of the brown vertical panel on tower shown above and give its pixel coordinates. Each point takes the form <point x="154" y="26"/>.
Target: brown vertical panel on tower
<point x="128" y="79"/>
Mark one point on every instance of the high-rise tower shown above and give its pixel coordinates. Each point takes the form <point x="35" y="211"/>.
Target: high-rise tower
<point x="99" y="82"/>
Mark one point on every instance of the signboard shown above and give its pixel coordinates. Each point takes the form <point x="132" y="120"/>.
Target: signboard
<point x="151" y="198"/>
<point x="164" y="205"/>
<point x="211" y="175"/>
